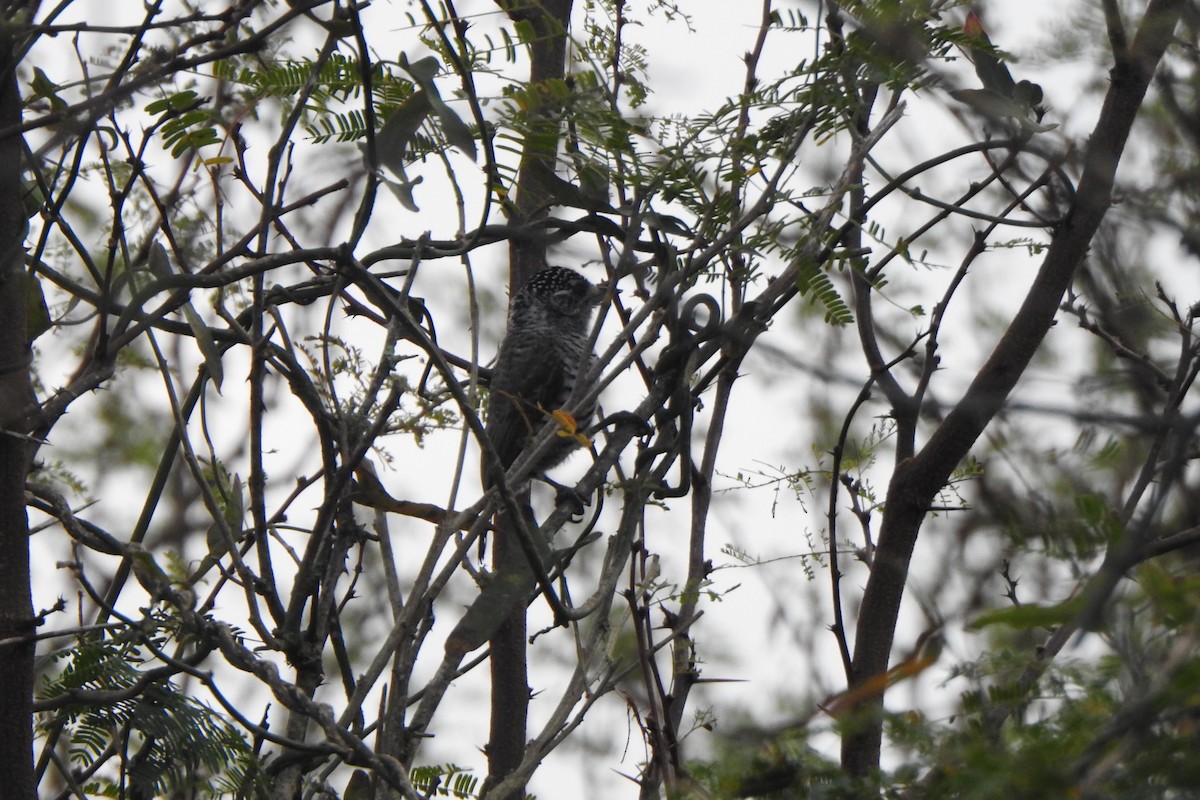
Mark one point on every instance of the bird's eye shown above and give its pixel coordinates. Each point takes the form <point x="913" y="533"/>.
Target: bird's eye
<point x="564" y="300"/>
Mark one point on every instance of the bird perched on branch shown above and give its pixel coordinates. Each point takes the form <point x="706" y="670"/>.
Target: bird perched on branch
<point x="542" y="356"/>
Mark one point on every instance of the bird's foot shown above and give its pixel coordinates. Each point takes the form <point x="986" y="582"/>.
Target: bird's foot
<point x="567" y="496"/>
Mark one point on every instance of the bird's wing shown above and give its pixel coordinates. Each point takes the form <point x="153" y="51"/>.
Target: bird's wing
<point x="519" y="403"/>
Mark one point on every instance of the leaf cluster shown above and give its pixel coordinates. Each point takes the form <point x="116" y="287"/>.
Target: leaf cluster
<point x="169" y="741"/>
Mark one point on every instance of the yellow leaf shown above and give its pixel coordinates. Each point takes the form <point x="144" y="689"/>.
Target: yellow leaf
<point x="565" y="421"/>
<point x="569" y="428"/>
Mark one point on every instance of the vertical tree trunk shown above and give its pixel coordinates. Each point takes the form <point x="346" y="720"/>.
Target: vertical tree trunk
<point x="548" y="57"/>
<point x="509" y="667"/>
<point x="509" y="673"/>
<point x="16" y="395"/>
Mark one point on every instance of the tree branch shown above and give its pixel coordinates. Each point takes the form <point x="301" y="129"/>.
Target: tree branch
<point x="917" y="481"/>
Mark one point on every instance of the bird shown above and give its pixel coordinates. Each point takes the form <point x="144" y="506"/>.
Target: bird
<point x="542" y="356"/>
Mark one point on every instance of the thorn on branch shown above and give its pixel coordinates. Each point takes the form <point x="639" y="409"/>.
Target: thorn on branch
<point x="1010" y="582"/>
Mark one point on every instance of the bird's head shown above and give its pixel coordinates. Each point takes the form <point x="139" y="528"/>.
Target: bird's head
<point x="557" y="292"/>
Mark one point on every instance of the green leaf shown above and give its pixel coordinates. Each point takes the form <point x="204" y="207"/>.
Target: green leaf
<point x="1029" y="616"/>
<point x="32" y="197"/>
<point x="995" y="105"/>
<point x="159" y="261"/>
<point x="445" y="780"/>
<point x="180" y="740"/>
<point x="992" y="72"/>
<point x="231" y="499"/>
<point x="47" y="89"/>
<point x="148" y="573"/>
<point x="175" y="102"/>
<point x="1028" y="93"/>
<point x="208" y="345"/>
<point x="185" y="126"/>
<point x="37" y="319"/>
<point x="812" y="281"/>
<point x="160" y="265"/>
<point x="508" y="588"/>
<point x="590" y="194"/>
<point x="393" y="139"/>
<point x="423" y="70"/>
<point x="403" y="189"/>
<point x="453" y="128"/>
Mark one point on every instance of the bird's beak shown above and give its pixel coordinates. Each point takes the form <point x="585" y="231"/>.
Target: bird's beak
<point x="602" y="291"/>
